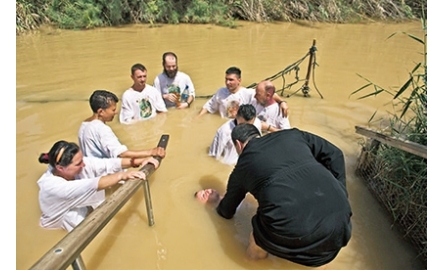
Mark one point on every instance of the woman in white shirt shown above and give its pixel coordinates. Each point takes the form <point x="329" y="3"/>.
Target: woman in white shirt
<point x="73" y="185"/>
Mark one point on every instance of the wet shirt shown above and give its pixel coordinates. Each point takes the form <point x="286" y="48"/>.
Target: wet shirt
<point x="227" y="103"/>
<point x="141" y="105"/>
<point x="167" y="85"/>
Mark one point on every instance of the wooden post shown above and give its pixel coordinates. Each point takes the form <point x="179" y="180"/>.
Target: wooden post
<point x="305" y="87"/>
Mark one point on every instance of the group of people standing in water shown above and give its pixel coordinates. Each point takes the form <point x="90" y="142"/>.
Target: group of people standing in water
<point x="297" y="177"/>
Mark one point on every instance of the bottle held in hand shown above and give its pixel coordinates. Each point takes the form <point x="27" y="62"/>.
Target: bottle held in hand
<point x="185" y="94"/>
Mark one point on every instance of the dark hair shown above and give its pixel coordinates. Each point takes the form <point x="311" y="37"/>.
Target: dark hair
<point x="164" y="56"/>
<point x="246" y="111"/>
<point x="101" y="99"/>
<point x="244" y="132"/>
<point x="61" y="153"/>
<point x="233" y="70"/>
<point x="137" y="66"/>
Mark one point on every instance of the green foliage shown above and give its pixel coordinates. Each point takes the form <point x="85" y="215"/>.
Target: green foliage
<point x="200" y="11"/>
<point x="397" y="177"/>
<point x="84" y="14"/>
<point x="28" y="16"/>
<point x="411" y="120"/>
<point x="76" y="14"/>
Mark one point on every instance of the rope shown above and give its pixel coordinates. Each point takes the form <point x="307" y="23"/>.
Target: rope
<point x="281" y="74"/>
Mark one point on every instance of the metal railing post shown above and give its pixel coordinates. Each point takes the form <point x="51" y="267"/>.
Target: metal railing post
<point x="146" y="185"/>
<point x="78" y="264"/>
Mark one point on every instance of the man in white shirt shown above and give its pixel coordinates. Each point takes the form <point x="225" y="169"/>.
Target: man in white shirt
<point x="268" y="109"/>
<point x="222" y="147"/>
<point x="175" y="86"/>
<point x="97" y="139"/>
<point x="141" y="101"/>
<point x="227" y="99"/>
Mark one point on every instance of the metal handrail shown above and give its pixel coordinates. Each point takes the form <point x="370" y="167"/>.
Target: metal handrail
<point x="67" y="251"/>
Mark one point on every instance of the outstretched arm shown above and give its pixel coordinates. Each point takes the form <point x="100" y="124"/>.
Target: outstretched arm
<point x="282" y="104"/>
<point x="112" y="179"/>
<point x="157" y="151"/>
<point x="137" y="162"/>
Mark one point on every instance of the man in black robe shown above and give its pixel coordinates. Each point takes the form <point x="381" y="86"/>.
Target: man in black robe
<point x="298" y="180"/>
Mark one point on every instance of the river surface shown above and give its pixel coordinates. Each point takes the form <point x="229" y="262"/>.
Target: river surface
<point x="56" y="72"/>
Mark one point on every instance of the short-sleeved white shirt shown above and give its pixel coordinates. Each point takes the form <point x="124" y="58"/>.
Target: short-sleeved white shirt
<point x="64" y="203"/>
<point x="166" y="85"/>
<point x="222" y="147"/>
<point x="223" y="101"/>
<point x="141" y="105"/>
<point x="271" y="115"/>
<point x="96" y="139"/>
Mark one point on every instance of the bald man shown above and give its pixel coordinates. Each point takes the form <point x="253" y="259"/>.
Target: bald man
<point x="268" y="109"/>
<point x="233" y="95"/>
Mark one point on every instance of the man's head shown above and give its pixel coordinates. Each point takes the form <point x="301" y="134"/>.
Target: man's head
<point x="169" y="62"/>
<point x="242" y="134"/>
<point x="207" y="196"/>
<point x="103" y="103"/>
<point x="245" y="114"/>
<point x="264" y="93"/>
<point x="233" y="79"/>
<point x="138" y="75"/>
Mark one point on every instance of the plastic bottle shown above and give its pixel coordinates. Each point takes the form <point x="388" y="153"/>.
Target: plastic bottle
<point x="185" y="94"/>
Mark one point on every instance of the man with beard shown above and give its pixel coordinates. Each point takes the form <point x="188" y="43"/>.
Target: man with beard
<point x="176" y="87"/>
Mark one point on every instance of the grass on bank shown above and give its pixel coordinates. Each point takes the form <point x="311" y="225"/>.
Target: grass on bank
<point x="87" y="14"/>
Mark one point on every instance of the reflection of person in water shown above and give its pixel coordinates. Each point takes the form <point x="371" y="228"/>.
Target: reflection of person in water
<point x="141" y="101"/>
<point x="298" y="180"/>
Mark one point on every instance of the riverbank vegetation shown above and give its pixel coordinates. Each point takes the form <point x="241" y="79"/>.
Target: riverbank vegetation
<point x="398" y="178"/>
<point x="87" y="14"/>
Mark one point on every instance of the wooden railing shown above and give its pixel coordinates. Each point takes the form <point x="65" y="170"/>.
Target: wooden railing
<point x="408" y="146"/>
<point x="67" y="251"/>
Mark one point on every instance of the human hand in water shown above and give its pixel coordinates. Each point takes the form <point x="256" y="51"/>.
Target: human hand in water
<point x="183" y="105"/>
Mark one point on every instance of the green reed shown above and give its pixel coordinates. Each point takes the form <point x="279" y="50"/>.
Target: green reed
<point x="86" y="14"/>
<point x="398" y="178"/>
